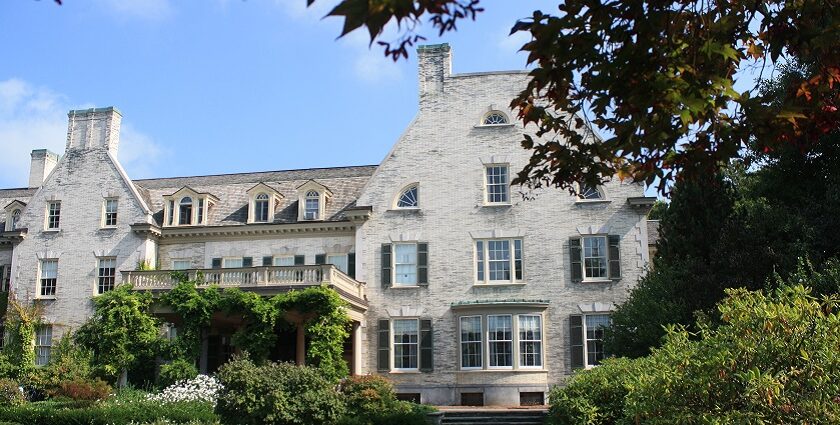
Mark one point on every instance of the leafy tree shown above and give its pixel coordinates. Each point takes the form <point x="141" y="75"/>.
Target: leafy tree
<point x="658" y="210"/>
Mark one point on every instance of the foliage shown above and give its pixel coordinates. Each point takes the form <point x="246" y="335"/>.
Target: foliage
<point x="371" y="400"/>
<point x="10" y="393"/>
<point x="772" y="360"/>
<point x="195" y="309"/>
<point x="120" y="331"/>
<point x="201" y="388"/>
<point x="8" y="368"/>
<point x="21" y="321"/>
<point x="81" y="390"/>
<point x="276" y="393"/>
<point x="69" y="362"/>
<point x="175" y="371"/>
<point x="56" y="413"/>
<point x="658" y="210"/>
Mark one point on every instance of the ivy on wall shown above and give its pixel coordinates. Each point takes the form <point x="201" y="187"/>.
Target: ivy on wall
<point x="21" y="321"/>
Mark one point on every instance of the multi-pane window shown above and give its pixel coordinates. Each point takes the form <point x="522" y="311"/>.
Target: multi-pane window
<point x="43" y="344"/>
<point x="498" y="260"/>
<point x="594" y="325"/>
<point x="261" y="208"/>
<point x="110" y="218"/>
<point x="287" y="260"/>
<point x="339" y="261"/>
<point x="471" y="353"/>
<point x="500" y="341"/>
<point x="530" y="341"/>
<point x="406" y="343"/>
<point x="53" y="214"/>
<point x="595" y="257"/>
<point x="180" y="264"/>
<point x="232" y="263"/>
<point x="590" y="193"/>
<point x="171" y="213"/>
<point x="105" y="274"/>
<point x="498" y="184"/>
<point x="405" y="264"/>
<point x="15" y="220"/>
<point x="312" y="206"/>
<point x="185" y="211"/>
<point x="408" y="198"/>
<point x="495" y="118"/>
<point x="49" y="274"/>
<point x="200" y="212"/>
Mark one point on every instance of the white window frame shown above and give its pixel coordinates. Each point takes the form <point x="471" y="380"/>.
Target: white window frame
<point x="395" y="344"/>
<point x="226" y="259"/>
<point x="583" y="188"/>
<point x="41" y="278"/>
<point x="586" y="338"/>
<point x="511" y="342"/>
<point x="14" y="219"/>
<point x="539" y="342"/>
<point x="258" y="206"/>
<point x="53" y="212"/>
<point x="43" y="345"/>
<point x="192" y="211"/>
<point x="395" y="262"/>
<point x="170" y="219"/>
<point x="99" y="276"/>
<point x="481" y="261"/>
<point x="281" y="258"/>
<point x="105" y="213"/>
<point x="462" y="343"/>
<point x="605" y="256"/>
<point x="312" y="195"/>
<point x="182" y="261"/>
<point x="416" y="188"/>
<point x="341" y="257"/>
<point x="488" y="184"/>
<point x="484" y="117"/>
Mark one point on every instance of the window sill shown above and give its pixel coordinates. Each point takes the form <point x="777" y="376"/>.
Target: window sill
<point x="404" y="210"/>
<point x="592" y="201"/>
<point x="406" y="286"/>
<point x="598" y="281"/>
<point x="51" y="230"/>
<point x="46" y="297"/>
<point x="108" y="228"/>
<point x="497" y="204"/>
<point x="506" y="370"/>
<point x="494" y="285"/>
<point x="404" y="372"/>
<point x="493" y="125"/>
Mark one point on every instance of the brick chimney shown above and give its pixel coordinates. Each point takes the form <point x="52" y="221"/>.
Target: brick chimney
<point x="435" y="65"/>
<point x="43" y="162"/>
<point x="94" y="128"/>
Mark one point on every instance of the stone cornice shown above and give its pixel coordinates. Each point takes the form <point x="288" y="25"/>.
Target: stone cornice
<point x="236" y="231"/>
<point x="12" y="237"/>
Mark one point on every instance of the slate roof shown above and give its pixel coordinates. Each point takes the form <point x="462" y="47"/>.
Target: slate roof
<point x="344" y="182"/>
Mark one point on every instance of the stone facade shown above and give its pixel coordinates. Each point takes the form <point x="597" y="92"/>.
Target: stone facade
<point x="445" y="153"/>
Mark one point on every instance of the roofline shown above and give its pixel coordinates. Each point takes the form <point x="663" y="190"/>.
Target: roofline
<point x="255" y="172"/>
<point x="481" y="73"/>
<point x="18" y="188"/>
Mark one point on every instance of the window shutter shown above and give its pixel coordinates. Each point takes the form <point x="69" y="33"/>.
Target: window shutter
<point x="351" y="265"/>
<point x="386" y="265"/>
<point x="300" y="260"/>
<point x="321" y="259"/>
<point x="614" y="256"/>
<point x="423" y="264"/>
<point x="268" y="261"/>
<point x="383" y="361"/>
<point x="247" y="261"/>
<point x="426" y="359"/>
<point x="576" y="259"/>
<point x="216" y="263"/>
<point x="576" y="340"/>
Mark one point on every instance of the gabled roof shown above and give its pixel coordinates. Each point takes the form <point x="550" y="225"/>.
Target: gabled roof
<point x="16" y="202"/>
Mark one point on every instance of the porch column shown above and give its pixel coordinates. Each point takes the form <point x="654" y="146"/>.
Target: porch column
<point x="300" y="346"/>
<point x="356" y="367"/>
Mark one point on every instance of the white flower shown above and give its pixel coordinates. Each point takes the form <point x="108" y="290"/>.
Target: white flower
<point x="201" y="388"/>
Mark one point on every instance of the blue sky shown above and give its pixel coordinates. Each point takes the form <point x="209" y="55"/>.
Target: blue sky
<point x="219" y="86"/>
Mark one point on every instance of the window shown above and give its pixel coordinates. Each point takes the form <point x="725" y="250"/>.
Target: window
<point x="171" y="213"/>
<point x="530" y="341"/>
<point x="232" y="263"/>
<point x="405" y="264"/>
<point x="471" y="352"/>
<point x="261" y="208"/>
<point x="590" y="193"/>
<point x="500" y="341"/>
<point x="53" y="214"/>
<point x="495" y="263"/>
<point x="408" y="198"/>
<point x="594" y="325"/>
<point x="595" y="257"/>
<point x="339" y="261"/>
<point x="497" y="184"/>
<point x="49" y="274"/>
<point x="494" y="118"/>
<point x="5" y="277"/>
<point x="105" y="274"/>
<point x="312" y="208"/>
<point x="284" y="261"/>
<point x="43" y="344"/>
<point x="180" y="264"/>
<point x="406" y="343"/>
<point x="200" y="215"/>
<point x="15" y="220"/>
<point x="185" y="211"/>
<point x="110" y="218"/>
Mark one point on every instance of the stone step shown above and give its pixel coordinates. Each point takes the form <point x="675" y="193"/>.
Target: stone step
<point x="484" y="417"/>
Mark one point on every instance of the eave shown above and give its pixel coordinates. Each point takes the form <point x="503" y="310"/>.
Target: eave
<point x="255" y="230"/>
<point x="641" y="201"/>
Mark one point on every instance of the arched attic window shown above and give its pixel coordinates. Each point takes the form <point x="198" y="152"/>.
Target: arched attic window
<point x="590" y="193"/>
<point x="495" y="118"/>
<point x="312" y="206"/>
<point x="185" y="211"/>
<point x="261" y="208"/>
<point x="15" y="219"/>
<point x="408" y="197"/>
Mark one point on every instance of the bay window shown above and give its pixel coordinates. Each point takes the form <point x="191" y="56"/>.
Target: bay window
<point x="500" y="341"/>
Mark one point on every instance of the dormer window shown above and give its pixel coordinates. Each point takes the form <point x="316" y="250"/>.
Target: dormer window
<point x="261" y="208"/>
<point x="185" y="211"/>
<point x="312" y="200"/>
<point x="262" y="200"/>
<point x="312" y="208"/>
<point x="408" y="197"/>
<point x="14" y="211"/>
<point x="187" y="207"/>
<point x="495" y="118"/>
<point x="15" y="220"/>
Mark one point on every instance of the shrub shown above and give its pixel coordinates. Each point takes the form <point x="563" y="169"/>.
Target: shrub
<point x="371" y="400"/>
<point x="276" y="393"/>
<point x="8" y="369"/>
<point x="81" y="390"/>
<point x="201" y="388"/>
<point x="175" y="371"/>
<point x="55" y="413"/>
<point x="69" y="362"/>
<point x="10" y="393"/>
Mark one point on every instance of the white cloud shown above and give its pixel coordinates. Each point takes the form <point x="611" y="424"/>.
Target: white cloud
<point x="370" y="64"/>
<point x="151" y="10"/>
<point x="511" y="43"/>
<point x="36" y="118"/>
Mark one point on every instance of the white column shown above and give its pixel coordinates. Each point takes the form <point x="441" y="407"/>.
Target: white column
<point x="356" y="368"/>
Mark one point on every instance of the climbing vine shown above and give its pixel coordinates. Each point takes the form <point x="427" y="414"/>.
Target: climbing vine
<point x="22" y="319"/>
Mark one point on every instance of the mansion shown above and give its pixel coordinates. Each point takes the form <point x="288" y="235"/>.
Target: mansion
<point x="461" y="290"/>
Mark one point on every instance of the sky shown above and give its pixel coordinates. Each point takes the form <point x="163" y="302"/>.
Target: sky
<point x="220" y="86"/>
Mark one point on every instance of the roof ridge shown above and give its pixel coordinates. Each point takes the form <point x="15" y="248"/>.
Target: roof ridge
<point x="256" y="172"/>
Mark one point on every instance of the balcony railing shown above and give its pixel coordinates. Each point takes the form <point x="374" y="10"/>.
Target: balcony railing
<point x="250" y="277"/>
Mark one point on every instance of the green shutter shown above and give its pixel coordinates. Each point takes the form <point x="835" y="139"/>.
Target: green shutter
<point x="351" y="265"/>
<point x="576" y="260"/>
<point x="300" y="260"/>
<point x="216" y="263"/>
<point x="247" y="261"/>
<point x="576" y="341"/>
<point x="268" y="261"/>
<point x="321" y="259"/>
<point x="426" y="358"/>
<point x="614" y="257"/>
<point x="386" y="265"/>
<point x="423" y="264"/>
<point x="383" y="361"/>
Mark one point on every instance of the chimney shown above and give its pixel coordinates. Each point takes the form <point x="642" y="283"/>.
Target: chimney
<point x="94" y="128"/>
<point x="43" y="162"/>
<point x="435" y="65"/>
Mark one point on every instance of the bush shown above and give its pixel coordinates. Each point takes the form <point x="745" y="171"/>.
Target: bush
<point x="81" y="390"/>
<point x="201" y="388"/>
<point x="276" y="393"/>
<point x="8" y="369"/>
<point x="10" y="393"/>
<point x="371" y="400"/>
<point x="175" y="371"/>
<point x="57" y="413"/>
